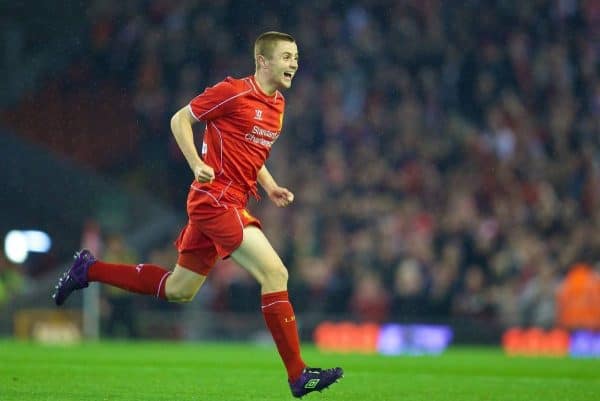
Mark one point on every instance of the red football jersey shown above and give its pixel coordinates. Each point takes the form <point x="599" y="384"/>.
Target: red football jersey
<point x="242" y="123"/>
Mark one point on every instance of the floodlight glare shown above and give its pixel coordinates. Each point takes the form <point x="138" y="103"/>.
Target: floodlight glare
<point x="15" y="246"/>
<point x="38" y="241"/>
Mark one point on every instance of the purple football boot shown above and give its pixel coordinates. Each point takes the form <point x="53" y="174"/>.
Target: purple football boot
<point x="315" y="379"/>
<point x="75" y="278"/>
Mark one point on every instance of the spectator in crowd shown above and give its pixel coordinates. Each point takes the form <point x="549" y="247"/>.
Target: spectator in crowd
<point x="12" y="279"/>
<point x="119" y="306"/>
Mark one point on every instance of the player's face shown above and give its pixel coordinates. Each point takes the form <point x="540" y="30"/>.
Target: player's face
<point x="284" y="64"/>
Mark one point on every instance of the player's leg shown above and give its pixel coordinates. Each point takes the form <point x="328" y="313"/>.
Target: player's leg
<point x="179" y="285"/>
<point x="183" y="284"/>
<point x="142" y="278"/>
<point x="193" y="265"/>
<point x="257" y="256"/>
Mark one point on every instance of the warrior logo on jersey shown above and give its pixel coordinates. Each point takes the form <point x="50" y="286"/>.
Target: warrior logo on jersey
<point x="258" y="114"/>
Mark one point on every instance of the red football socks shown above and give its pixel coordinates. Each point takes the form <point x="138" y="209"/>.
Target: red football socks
<point x="279" y="316"/>
<point x="143" y="278"/>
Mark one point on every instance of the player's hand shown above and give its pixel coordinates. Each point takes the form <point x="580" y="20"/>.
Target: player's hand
<point x="282" y="197"/>
<point x="204" y="173"/>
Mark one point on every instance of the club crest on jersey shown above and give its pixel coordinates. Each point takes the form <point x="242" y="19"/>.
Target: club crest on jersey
<point x="258" y="114"/>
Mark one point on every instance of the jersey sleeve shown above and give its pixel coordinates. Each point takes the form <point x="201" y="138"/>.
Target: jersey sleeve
<point x="215" y="101"/>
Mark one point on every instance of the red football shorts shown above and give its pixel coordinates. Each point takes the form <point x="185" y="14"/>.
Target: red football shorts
<point x="217" y="218"/>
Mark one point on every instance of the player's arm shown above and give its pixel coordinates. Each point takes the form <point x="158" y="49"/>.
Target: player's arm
<point x="280" y="196"/>
<point x="181" y="127"/>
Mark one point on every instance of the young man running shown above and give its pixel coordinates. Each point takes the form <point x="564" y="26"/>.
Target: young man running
<point x="243" y="119"/>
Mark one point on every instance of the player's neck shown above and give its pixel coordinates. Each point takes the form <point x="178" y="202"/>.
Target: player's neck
<point x="264" y="85"/>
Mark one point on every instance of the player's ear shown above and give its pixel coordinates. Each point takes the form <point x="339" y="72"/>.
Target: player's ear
<point x="261" y="61"/>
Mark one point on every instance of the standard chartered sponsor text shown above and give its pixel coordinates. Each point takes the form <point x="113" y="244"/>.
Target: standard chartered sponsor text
<point x="262" y="136"/>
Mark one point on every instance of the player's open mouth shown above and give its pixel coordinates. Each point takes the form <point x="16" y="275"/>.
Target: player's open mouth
<point x="288" y="75"/>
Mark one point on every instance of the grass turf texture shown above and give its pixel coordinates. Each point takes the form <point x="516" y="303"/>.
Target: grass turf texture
<point x="207" y="371"/>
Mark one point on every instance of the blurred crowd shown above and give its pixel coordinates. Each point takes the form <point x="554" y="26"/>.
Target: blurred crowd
<point x="13" y="279"/>
<point x="445" y="156"/>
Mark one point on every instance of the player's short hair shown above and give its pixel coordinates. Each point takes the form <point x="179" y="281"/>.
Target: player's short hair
<point x="265" y="43"/>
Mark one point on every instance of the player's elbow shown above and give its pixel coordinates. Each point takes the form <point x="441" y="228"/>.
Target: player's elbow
<point x="181" y="118"/>
<point x="175" y="121"/>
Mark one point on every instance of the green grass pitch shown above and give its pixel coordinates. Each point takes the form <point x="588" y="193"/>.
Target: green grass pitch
<point x="148" y="371"/>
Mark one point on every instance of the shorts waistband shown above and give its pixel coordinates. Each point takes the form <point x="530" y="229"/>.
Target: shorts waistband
<point x="219" y="188"/>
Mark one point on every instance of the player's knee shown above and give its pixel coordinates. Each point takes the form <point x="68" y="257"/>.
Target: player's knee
<point x="277" y="276"/>
<point x="283" y="275"/>
<point x="182" y="285"/>
<point x="181" y="294"/>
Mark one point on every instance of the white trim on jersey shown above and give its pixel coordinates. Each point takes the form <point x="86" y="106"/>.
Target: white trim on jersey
<point x="251" y="83"/>
<point x="221" y="147"/>
<point x="220" y="104"/>
<point x="224" y="191"/>
<point x="277" y="93"/>
<point x="189" y="106"/>
<point x="209" y="194"/>
<point x="239" y="218"/>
